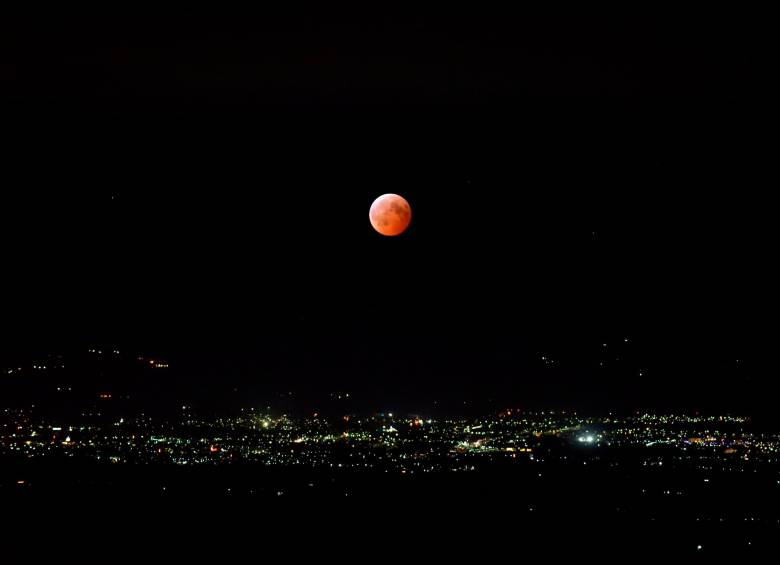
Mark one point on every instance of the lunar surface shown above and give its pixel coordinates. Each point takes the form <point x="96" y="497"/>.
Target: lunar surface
<point x="390" y="214"/>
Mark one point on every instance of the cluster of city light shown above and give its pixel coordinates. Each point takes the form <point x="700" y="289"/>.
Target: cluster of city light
<point x="412" y="443"/>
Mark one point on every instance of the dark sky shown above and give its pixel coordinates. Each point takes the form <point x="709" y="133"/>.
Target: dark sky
<point x="200" y="187"/>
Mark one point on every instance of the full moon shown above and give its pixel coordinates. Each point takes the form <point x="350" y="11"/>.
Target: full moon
<point x="390" y="214"/>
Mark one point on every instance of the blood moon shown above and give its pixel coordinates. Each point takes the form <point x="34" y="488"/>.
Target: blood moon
<point x="390" y="214"/>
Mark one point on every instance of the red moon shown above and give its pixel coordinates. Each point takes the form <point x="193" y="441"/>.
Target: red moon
<point x="390" y="214"/>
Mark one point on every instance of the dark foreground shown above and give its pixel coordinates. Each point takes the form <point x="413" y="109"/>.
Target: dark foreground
<point x="614" y="504"/>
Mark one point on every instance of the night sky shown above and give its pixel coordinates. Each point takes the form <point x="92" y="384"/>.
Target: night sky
<point x="589" y="228"/>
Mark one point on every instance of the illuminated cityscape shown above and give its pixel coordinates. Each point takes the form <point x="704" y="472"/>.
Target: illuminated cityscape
<point x="408" y="444"/>
<point x="644" y="470"/>
<point x="637" y="471"/>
